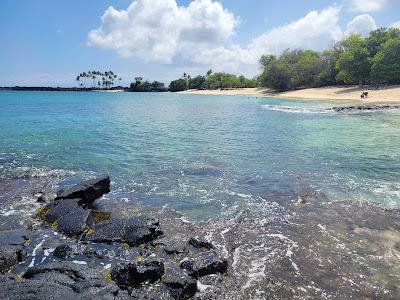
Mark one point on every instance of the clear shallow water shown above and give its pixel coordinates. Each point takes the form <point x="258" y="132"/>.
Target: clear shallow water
<point x="203" y="155"/>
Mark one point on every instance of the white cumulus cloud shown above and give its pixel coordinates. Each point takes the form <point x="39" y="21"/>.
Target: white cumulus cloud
<point x="201" y="33"/>
<point x="158" y="30"/>
<point x="316" y="31"/>
<point x="361" y="25"/>
<point x="369" y="5"/>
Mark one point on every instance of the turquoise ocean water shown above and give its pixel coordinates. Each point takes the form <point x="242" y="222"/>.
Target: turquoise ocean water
<point x="204" y="156"/>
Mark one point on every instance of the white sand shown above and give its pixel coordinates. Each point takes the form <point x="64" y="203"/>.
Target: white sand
<point x="335" y="94"/>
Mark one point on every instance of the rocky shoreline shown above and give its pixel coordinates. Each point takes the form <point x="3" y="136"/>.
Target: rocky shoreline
<point x="295" y="244"/>
<point x="363" y="108"/>
<point x="107" y="255"/>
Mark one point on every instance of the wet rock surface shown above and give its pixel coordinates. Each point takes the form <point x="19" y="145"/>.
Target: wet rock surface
<point x="132" y="275"/>
<point x="87" y="191"/>
<point x="281" y="249"/>
<point x="60" y="281"/>
<point x="366" y="108"/>
<point x="179" y="283"/>
<point x="12" y="248"/>
<point x="132" y="231"/>
<point x="205" y="263"/>
<point x="81" y="251"/>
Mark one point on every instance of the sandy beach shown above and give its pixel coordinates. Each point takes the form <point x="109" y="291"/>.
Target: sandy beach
<point x="334" y="94"/>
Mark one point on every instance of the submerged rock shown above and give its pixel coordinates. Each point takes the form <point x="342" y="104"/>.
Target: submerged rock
<point x="132" y="231"/>
<point x="205" y="263"/>
<point x="87" y="191"/>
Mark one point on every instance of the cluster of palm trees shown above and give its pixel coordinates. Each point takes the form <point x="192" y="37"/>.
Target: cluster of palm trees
<point x="98" y="79"/>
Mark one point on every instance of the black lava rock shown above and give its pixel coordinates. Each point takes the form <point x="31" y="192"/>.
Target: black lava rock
<point x="10" y="256"/>
<point x="66" y="250"/>
<point x="360" y="108"/>
<point x="12" y="251"/>
<point x="153" y="292"/>
<point x="179" y="283"/>
<point x="201" y="244"/>
<point x="74" y="222"/>
<point x="133" y="275"/>
<point x="132" y="231"/>
<point x="205" y="263"/>
<point x="170" y="247"/>
<point x="57" y="209"/>
<point x="87" y="191"/>
<point x="61" y="280"/>
<point x="46" y="198"/>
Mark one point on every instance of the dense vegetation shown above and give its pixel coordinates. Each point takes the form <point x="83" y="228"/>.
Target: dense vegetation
<point x="98" y="79"/>
<point x="211" y="81"/>
<point x="141" y="85"/>
<point x="355" y="60"/>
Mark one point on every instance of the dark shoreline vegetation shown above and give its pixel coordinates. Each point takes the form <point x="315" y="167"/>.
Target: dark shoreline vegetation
<point x="374" y="60"/>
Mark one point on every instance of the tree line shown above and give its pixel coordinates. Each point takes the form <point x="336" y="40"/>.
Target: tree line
<point x="354" y="60"/>
<point x="141" y="85"/>
<point x="374" y="59"/>
<point x="211" y="81"/>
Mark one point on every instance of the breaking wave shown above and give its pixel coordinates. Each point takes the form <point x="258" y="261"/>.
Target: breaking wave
<point x="296" y="110"/>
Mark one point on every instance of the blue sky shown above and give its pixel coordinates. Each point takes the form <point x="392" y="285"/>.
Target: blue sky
<point x="48" y="42"/>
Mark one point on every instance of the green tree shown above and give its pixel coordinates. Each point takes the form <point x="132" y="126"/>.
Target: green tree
<point x="197" y="82"/>
<point x="178" y="85"/>
<point x="379" y="37"/>
<point x="353" y="64"/>
<point x="386" y="63"/>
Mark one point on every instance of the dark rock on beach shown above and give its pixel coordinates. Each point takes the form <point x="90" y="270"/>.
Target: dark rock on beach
<point x="87" y="191"/>
<point x="57" y="209"/>
<point x="180" y="284"/>
<point x="46" y="197"/>
<point x="360" y="108"/>
<point x="60" y="281"/>
<point x="12" y="248"/>
<point x="201" y="244"/>
<point x="10" y="256"/>
<point x="132" y="231"/>
<point x="66" y="250"/>
<point x="74" y="222"/>
<point x="170" y="247"/>
<point x="153" y="292"/>
<point x="134" y="274"/>
<point x="115" y="254"/>
<point x="205" y="263"/>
